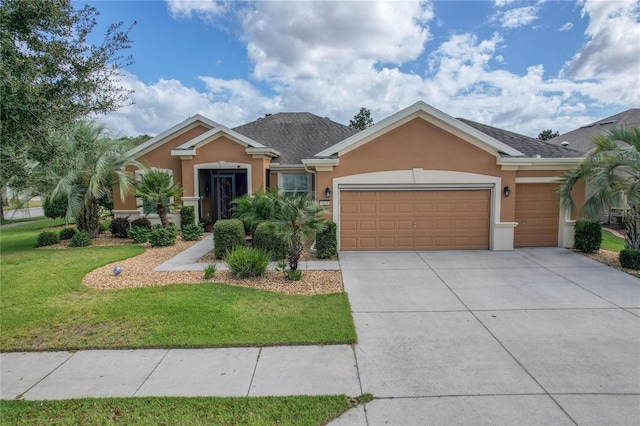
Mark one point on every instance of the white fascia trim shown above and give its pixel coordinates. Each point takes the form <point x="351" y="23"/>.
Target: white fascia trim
<point x="549" y="179"/>
<point x="176" y="130"/>
<point x="529" y="161"/>
<point x="286" y="167"/>
<point x="269" y="152"/>
<point x="464" y="131"/>
<point x="321" y="162"/>
<point x="183" y="152"/>
<point x="217" y="132"/>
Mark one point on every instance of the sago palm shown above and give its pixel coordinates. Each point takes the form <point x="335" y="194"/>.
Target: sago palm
<point x="612" y="171"/>
<point x="157" y="188"/>
<point x="91" y="166"/>
<point x="296" y="219"/>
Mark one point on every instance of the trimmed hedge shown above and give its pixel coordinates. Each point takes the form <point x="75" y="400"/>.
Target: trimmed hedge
<point x="187" y="216"/>
<point x="192" y="232"/>
<point x="588" y="236"/>
<point x="47" y="238"/>
<point x="630" y="258"/>
<point x="163" y="237"/>
<point x="139" y="234"/>
<point x="81" y="239"/>
<point x="327" y="241"/>
<point x="67" y="233"/>
<point x="141" y="221"/>
<point x="227" y="234"/>
<point x="120" y="227"/>
<point x="55" y="209"/>
<point x="267" y="240"/>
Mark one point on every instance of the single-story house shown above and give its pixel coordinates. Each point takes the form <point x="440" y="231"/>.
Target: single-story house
<point x="417" y="180"/>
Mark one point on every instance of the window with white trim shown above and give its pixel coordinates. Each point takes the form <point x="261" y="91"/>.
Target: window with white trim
<point x="292" y="184"/>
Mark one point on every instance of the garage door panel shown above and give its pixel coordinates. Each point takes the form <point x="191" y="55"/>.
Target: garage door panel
<point x="415" y="220"/>
<point x="537" y="213"/>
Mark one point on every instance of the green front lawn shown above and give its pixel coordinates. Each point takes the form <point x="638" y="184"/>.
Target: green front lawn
<point x="289" y="410"/>
<point x="611" y="242"/>
<point x="44" y="306"/>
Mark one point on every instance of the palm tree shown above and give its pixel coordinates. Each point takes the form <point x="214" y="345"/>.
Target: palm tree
<point x="92" y="164"/>
<point x="252" y="209"/>
<point x="296" y="219"/>
<point x="612" y="170"/>
<point x="157" y="188"/>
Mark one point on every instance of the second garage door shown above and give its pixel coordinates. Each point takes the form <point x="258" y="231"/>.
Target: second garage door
<point x="415" y="220"/>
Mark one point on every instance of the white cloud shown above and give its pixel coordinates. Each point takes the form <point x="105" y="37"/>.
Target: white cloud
<point x="566" y="27"/>
<point x="205" y="8"/>
<point x="519" y="17"/>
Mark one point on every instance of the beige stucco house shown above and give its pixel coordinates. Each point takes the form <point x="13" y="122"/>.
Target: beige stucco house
<point x="417" y="180"/>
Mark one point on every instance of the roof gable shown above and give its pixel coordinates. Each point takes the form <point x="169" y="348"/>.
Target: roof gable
<point x="429" y="114"/>
<point x="172" y="133"/>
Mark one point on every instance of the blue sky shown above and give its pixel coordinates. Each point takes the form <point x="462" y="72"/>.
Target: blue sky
<point x="521" y="66"/>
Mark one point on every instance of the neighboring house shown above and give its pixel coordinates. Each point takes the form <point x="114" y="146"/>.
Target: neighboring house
<point x="417" y="180"/>
<point x="580" y="139"/>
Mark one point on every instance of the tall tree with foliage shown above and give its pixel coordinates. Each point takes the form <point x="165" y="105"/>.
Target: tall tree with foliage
<point x="361" y="120"/>
<point x="547" y="134"/>
<point x="91" y="165"/>
<point x="157" y="188"/>
<point x="296" y="219"/>
<point x="50" y="77"/>
<point x="612" y="170"/>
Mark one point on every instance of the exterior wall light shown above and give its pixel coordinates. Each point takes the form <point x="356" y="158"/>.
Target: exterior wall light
<point x="327" y="192"/>
<point x="507" y="191"/>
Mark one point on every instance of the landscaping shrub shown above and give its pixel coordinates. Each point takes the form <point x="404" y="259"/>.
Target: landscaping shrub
<point x="245" y="262"/>
<point x="47" y="238"/>
<point x="327" y="242"/>
<point x="227" y="234"/>
<point x="55" y="209"/>
<point x="630" y="258"/>
<point x="254" y="225"/>
<point x="187" y="216"/>
<point x="267" y="240"/>
<point x="139" y="234"/>
<point x="120" y="227"/>
<point x="80" y="239"/>
<point x="163" y="237"/>
<point x="192" y="232"/>
<point x="141" y="221"/>
<point x="104" y="226"/>
<point x="67" y="233"/>
<point x="587" y="236"/>
<point x="210" y="271"/>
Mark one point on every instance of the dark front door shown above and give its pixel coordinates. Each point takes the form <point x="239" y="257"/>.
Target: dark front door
<point x="218" y="188"/>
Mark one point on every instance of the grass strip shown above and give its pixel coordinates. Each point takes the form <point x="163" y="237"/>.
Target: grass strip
<point x="289" y="410"/>
<point x="611" y="242"/>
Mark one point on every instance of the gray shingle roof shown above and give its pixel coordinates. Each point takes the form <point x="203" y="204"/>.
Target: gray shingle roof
<point x="530" y="147"/>
<point x="296" y="135"/>
<point x="580" y="139"/>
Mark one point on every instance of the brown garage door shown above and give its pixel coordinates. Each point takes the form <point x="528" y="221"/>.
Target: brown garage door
<point x="537" y="214"/>
<point x="414" y="220"/>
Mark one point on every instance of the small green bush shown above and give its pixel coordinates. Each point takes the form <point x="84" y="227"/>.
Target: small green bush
<point x="253" y="226"/>
<point x="192" y="232"/>
<point x="588" y="236"/>
<point x="55" y="209"/>
<point x="120" y="227"/>
<point x="245" y="262"/>
<point x="630" y="258"/>
<point x="141" y="221"/>
<point x="269" y="241"/>
<point x="293" y="275"/>
<point x="67" y="233"/>
<point x="80" y="239"/>
<point x="210" y="271"/>
<point x="47" y="238"/>
<point x="139" y="234"/>
<point x="163" y="237"/>
<point x="187" y="216"/>
<point x="327" y="242"/>
<point x="227" y="234"/>
<point x="104" y="226"/>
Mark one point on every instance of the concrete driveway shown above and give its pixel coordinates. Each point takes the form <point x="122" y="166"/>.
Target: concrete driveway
<point x="533" y="336"/>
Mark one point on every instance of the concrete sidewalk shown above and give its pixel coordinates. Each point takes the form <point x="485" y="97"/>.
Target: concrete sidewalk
<point x="187" y="260"/>
<point x="285" y="370"/>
